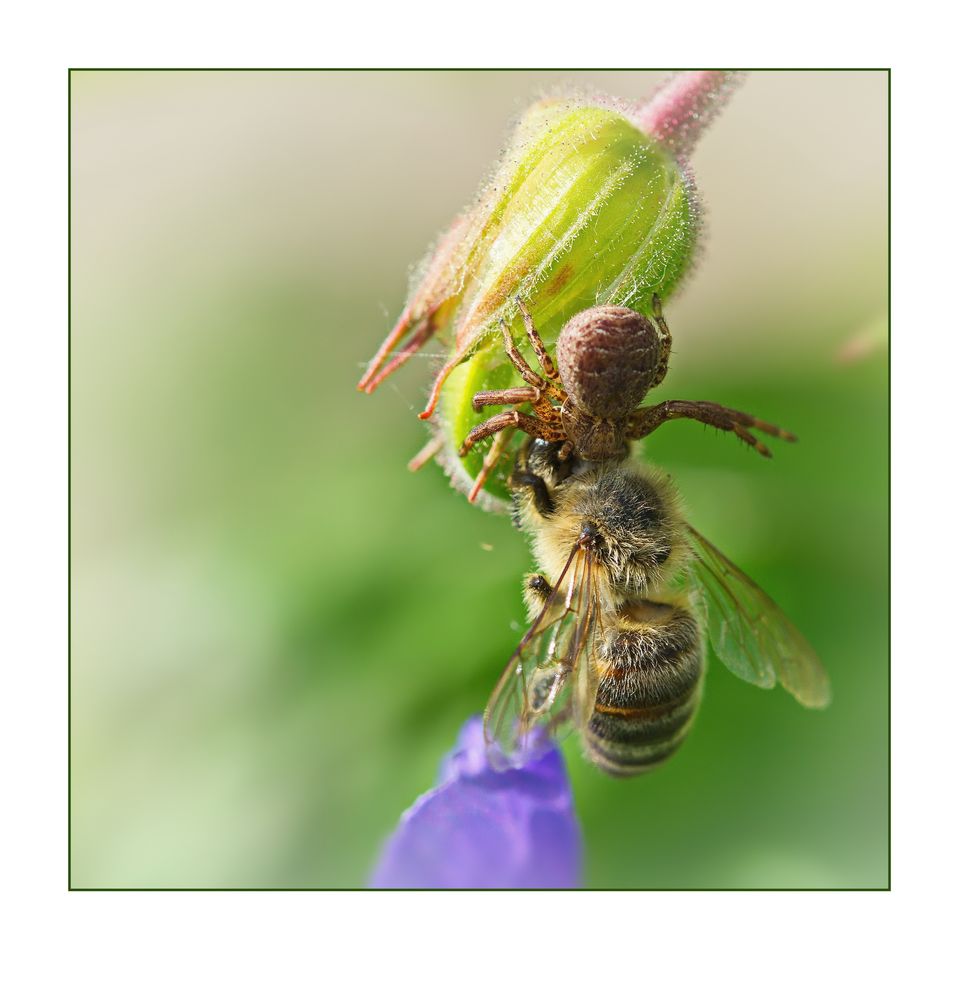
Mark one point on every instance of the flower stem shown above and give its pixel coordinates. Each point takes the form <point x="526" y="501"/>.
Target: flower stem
<point x="685" y="105"/>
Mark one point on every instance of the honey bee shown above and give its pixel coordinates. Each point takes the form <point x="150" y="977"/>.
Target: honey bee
<point x="616" y="648"/>
<point x="609" y="358"/>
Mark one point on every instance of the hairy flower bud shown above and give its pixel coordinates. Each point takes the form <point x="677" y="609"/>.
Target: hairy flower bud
<point x="587" y="208"/>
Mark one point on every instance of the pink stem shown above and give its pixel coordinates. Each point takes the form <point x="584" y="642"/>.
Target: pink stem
<point x="685" y="105"/>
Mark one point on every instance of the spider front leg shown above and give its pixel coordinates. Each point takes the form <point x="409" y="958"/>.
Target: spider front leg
<point x="507" y="397"/>
<point x="545" y="361"/>
<point x="520" y="363"/>
<point x="537" y="391"/>
<point x="534" y="426"/>
<point x="545" y="423"/>
<point x="647" y="418"/>
<point x="518" y="394"/>
<point x="503" y="425"/>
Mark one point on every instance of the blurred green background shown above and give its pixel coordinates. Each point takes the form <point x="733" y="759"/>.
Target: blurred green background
<point x="277" y="630"/>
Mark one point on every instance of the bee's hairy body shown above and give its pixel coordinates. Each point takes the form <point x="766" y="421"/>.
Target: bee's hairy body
<point x="649" y="655"/>
<point x="649" y="691"/>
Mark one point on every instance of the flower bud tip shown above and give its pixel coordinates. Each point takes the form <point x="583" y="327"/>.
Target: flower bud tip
<point x="679" y="113"/>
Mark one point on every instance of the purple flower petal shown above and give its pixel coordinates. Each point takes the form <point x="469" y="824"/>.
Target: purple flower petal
<point x="482" y="828"/>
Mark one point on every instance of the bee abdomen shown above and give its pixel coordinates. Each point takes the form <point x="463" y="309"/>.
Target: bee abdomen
<point x="648" y="694"/>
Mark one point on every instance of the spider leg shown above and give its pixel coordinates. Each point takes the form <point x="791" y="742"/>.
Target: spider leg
<point x="519" y="362"/>
<point x="665" y="342"/>
<point x="506" y="397"/>
<point x="533" y="426"/>
<point x="545" y="361"/>
<point x="522" y="365"/>
<point x="647" y="418"/>
<point x="492" y="457"/>
<point x="544" y="410"/>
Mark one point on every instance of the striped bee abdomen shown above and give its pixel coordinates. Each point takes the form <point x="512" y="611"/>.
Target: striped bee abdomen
<point x="648" y="693"/>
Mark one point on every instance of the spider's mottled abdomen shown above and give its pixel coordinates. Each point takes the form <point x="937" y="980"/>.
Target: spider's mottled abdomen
<point x="608" y="357"/>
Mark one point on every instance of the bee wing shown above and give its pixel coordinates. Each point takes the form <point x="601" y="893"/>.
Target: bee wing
<point x="535" y="687"/>
<point x="588" y="672"/>
<point x="577" y="706"/>
<point x="750" y="633"/>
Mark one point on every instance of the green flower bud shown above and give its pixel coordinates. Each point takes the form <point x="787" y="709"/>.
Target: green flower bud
<point x="586" y="208"/>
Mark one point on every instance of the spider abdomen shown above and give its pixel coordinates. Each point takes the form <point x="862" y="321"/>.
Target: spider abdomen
<point x="608" y="357"/>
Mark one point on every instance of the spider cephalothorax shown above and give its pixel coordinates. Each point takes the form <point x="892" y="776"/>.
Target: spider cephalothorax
<point x="609" y="359"/>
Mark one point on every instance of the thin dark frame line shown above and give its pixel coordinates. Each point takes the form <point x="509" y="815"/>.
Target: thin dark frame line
<point x="472" y="69"/>
<point x="69" y="480"/>
<point x="213" y="69"/>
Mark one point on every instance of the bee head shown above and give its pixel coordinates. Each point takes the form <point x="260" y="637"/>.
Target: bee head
<point x="627" y="522"/>
<point x="608" y="357"/>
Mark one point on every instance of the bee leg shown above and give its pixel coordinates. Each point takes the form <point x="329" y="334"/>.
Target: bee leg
<point x="539" y="491"/>
<point x="647" y="418"/>
<point x="536" y="591"/>
<point x="559" y="719"/>
<point x="665" y="342"/>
